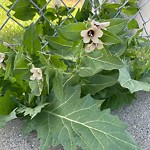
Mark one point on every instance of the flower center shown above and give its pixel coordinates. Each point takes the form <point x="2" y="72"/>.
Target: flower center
<point x="91" y="33"/>
<point x="97" y="25"/>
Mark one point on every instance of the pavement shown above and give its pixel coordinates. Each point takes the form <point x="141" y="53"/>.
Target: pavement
<point x="136" y="115"/>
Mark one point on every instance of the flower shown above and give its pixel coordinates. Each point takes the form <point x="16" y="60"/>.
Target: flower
<point x="99" y="25"/>
<point x="92" y="34"/>
<point x="2" y="57"/>
<point x="92" y="46"/>
<point x="2" y="66"/>
<point x="37" y="74"/>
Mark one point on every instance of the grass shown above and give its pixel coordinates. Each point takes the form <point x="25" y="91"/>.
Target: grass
<point x="11" y="31"/>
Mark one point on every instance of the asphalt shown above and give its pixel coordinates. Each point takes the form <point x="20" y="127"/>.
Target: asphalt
<point x="136" y="115"/>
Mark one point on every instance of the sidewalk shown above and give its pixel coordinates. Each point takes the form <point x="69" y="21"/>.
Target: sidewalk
<point x="137" y="116"/>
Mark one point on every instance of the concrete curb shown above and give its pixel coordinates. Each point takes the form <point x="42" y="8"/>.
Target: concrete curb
<point x="136" y="116"/>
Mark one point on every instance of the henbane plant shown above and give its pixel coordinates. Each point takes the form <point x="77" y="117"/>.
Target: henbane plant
<point x="65" y="89"/>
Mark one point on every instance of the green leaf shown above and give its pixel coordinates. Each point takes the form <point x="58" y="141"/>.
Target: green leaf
<point x="62" y="46"/>
<point x="6" y="118"/>
<point x="57" y="62"/>
<point x="115" y="97"/>
<point x="7" y="104"/>
<point x="131" y="84"/>
<point x="20" y="62"/>
<point x="97" y="83"/>
<point x="36" y="87"/>
<point x="133" y="24"/>
<point x="25" y="14"/>
<point x="118" y="100"/>
<point x="23" y="10"/>
<point x="110" y="38"/>
<point x="58" y="84"/>
<point x="116" y="25"/>
<point x="31" y="40"/>
<point x="96" y="64"/>
<point x="31" y="111"/>
<point x="4" y="48"/>
<point x="118" y="50"/>
<point x="71" y="31"/>
<point x="49" y="73"/>
<point x="130" y="10"/>
<point x="84" y="13"/>
<point x="73" y="121"/>
<point x="9" y="66"/>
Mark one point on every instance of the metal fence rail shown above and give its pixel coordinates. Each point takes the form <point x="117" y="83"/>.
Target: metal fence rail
<point x="142" y="16"/>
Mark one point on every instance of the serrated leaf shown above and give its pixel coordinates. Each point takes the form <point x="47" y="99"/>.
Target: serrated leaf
<point x="31" y="40"/>
<point x="95" y="64"/>
<point x="6" y="118"/>
<point x="71" y="31"/>
<point x="36" y="87"/>
<point x="74" y="121"/>
<point x="7" y="104"/>
<point x="32" y="112"/>
<point x="133" y="85"/>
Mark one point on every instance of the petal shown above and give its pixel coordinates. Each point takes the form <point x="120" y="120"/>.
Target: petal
<point x="32" y="70"/>
<point x="98" y="33"/>
<point x="86" y="39"/>
<point x="2" y="57"/>
<point x="39" y="77"/>
<point x="90" y="47"/>
<point x="100" y="46"/>
<point x="93" y="23"/>
<point x="84" y="33"/>
<point x="95" y="39"/>
<point x="32" y="78"/>
<point x="104" y="25"/>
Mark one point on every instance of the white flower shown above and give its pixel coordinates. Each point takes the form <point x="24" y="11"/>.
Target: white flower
<point x="91" y="47"/>
<point x="99" y="25"/>
<point x="92" y="34"/>
<point x="2" y="66"/>
<point x="37" y="74"/>
<point x="2" y="57"/>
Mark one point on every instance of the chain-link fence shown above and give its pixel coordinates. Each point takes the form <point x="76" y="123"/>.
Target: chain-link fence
<point x="8" y="19"/>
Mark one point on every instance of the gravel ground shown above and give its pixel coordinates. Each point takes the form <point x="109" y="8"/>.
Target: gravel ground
<point x="136" y="116"/>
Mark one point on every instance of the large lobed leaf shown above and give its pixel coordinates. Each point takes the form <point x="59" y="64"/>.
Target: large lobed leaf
<point x="73" y="121"/>
<point x="94" y="65"/>
<point x="133" y="85"/>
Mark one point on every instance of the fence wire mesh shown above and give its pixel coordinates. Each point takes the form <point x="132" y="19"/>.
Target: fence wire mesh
<point x="8" y="20"/>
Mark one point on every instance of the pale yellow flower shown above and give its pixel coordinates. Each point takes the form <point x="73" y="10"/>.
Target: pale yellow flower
<point x="2" y="66"/>
<point x="92" y="34"/>
<point x="99" y="25"/>
<point x="37" y="74"/>
<point x="91" y="47"/>
<point x="2" y="57"/>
